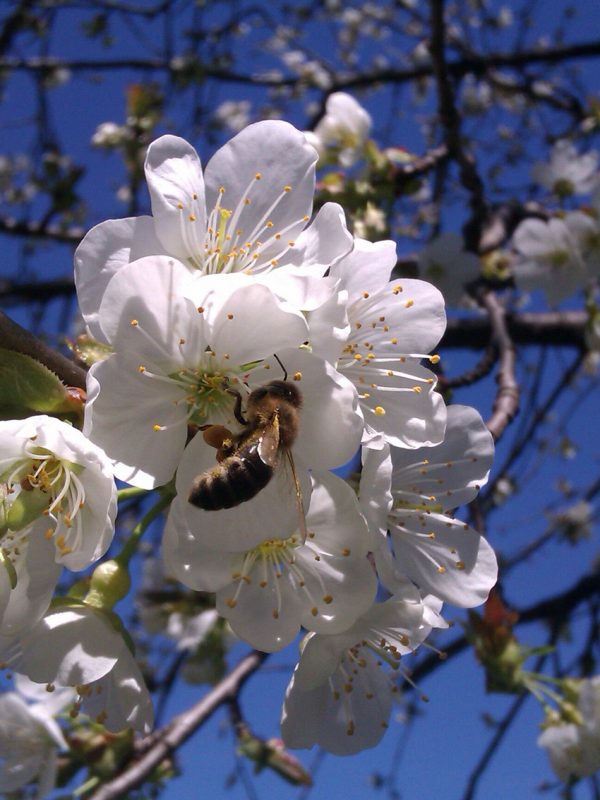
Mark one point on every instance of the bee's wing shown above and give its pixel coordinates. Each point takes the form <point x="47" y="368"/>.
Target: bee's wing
<point x="268" y="441"/>
<point x="298" y="495"/>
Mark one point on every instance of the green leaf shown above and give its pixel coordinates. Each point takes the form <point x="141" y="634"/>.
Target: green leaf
<point x="27" y="386"/>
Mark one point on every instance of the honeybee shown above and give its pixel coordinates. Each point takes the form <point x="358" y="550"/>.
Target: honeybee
<point x="246" y="462"/>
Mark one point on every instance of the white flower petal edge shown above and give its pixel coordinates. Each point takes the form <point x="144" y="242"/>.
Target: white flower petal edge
<point x="268" y="592"/>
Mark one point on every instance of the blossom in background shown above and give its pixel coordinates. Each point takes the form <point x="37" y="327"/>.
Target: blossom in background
<point x="556" y="256"/>
<point x="572" y="740"/>
<point x="234" y="114"/>
<point x="340" y="696"/>
<point x="345" y="128"/>
<point x="248" y="213"/>
<point x="30" y="738"/>
<point x="567" y="173"/>
<point x="377" y="332"/>
<point x="79" y="646"/>
<point x="266" y="593"/>
<point x="445" y="263"/>
<point x="406" y="496"/>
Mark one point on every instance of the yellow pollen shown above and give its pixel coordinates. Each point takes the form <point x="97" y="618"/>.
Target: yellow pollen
<point x="258" y="176"/>
<point x="230" y="602"/>
<point x="273" y="262"/>
<point x="397" y="289"/>
<point x="417" y="389"/>
<point x="157" y="428"/>
<point x="221" y="190"/>
<point x="49" y="533"/>
<point x="291" y="243"/>
<point x="346" y="551"/>
<point x="269" y="224"/>
<point x="297" y="376"/>
<point x="394" y="340"/>
<point x="409" y="303"/>
<point x="287" y="188"/>
<point x="192" y="218"/>
<point x="277" y="236"/>
<point x="141" y="368"/>
<point x="247" y="201"/>
<point x="305" y="218"/>
<point x="180" y="206"/>
<point x="435" y="359"/>
<point x="460" y="565"/>
<point x="134" y="323"/>
<point x="328" y="599"/>
<point x="441" y="569"/>
<point x="379" y="410"/>
<point x="358" y="357"/>
<point x="365" y="295"/>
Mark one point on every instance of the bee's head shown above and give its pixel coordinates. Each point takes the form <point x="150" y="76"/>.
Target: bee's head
<point x="285" y="390"/>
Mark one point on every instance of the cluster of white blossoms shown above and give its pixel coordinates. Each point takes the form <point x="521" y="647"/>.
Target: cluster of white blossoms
<point x="251" y="349"/>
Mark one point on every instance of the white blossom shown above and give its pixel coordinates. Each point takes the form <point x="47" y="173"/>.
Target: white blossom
<point x="445" y="263"/>
<point x="81" y="647"/>
<point x="179" y="343"/>
<point x="567" y="173"/>
<point x="267" y="592"/>
<point x="406" y="496"/>
<point x="345" y="127"/>
<point x="574" y="747"/>
<point x="340" y="696"/>
<point x="248" y="213"/>
<point x="556" y="255"/>
<point x="58" y="509"/>
<point x="382" y="330"/>
<point x="30" y="739"/>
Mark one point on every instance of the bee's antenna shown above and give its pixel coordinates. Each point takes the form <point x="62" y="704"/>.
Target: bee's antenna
<point x="281" y="365"/>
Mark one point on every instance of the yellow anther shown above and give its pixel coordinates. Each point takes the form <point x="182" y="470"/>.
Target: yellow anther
<point x="394" y="340"/>
<point x="379" y="411"/>
<point x="180" y="206"/>
<point x="157" y="428"/>
<point x="141" y="368"/>
<point x="49" y="533"/>
<point x="365" y="295"/>
<point x="409" y="303"/>
<point x="441" y="569"/>
<point x="192" y="218"/>
<point x="417" y="389"/>
<point x="134" y="323"/>
<point x="258" y="176"/>
<point x="297" y="376"/>
<point x="435" y="359"/>
<point x="397" y="289"/>
<point x="287" y="188"/>
<point x="200" y="309"/>
<point x="230" y="602"/>
<point x="229" y="316"/>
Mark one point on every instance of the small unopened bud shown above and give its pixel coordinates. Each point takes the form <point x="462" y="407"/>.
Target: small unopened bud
<point x="110" y="583"/>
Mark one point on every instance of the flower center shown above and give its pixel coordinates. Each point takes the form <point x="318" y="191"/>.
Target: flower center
<point x="44" y="485"/>
<point x="234" y="241"/>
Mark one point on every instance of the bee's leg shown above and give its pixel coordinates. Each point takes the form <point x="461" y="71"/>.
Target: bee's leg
<point x="237" y="409"/>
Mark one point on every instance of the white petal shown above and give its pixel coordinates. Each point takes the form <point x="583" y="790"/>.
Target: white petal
<point x="281" y="156"/>
<point x="323" y="243"/>
<point x="70" y="648"/>
<point x="366" y="268"/>
<point x="174" y="176"/>
<point x="455" y="564"/>
<point x="103" y="251"/>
